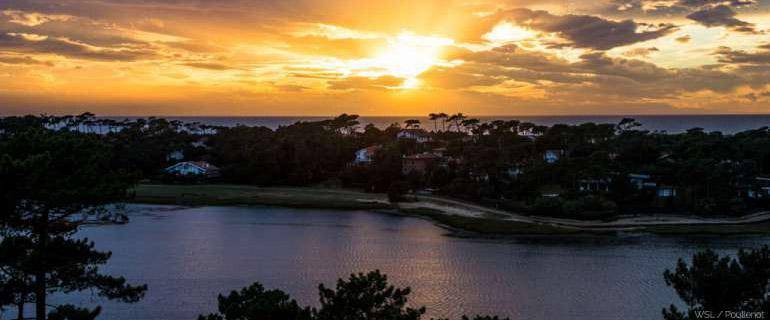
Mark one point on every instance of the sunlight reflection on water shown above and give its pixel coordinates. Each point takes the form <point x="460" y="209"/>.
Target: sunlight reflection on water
<point x="188" y="256"/>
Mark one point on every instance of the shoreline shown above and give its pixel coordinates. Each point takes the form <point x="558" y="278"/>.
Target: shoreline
<point x="458" y="217"/>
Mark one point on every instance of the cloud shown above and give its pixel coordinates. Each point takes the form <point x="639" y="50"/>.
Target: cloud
<point x="640" y="52"/>
<point x="25" y="60"/>
<point x="290" y="87"/>
<point x="721" y="16"/>
<point x="728" y="55"/>
<point x="595" y="76"/>
<point x="32" y="19"/>
<point x="683" y="39"/>
<point x="514" y="56"/>
<point x="208" y="65"/>
<point x="33" y="43"/>
<point x="383" y="82"/>
<point x="345" y="48"/>
<point x="700" y="3"/>
<point x="674" y="6"/>
<point x="463" y="76"/>
<point x="584" y="31"/>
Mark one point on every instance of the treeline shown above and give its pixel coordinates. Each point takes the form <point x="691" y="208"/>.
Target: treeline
<point x="580" y="171"/>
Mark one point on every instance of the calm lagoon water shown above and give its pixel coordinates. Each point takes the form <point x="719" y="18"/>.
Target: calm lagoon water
<point x="189" y="255"/>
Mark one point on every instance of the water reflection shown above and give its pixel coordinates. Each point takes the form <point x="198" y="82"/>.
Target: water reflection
<point x="187" y="256"/>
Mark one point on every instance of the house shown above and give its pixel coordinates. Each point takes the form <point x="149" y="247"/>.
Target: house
<point x="418" y="163"/>
<point x="193" y="168"/>
<point x="419" y="135"/>
<point x="553" y="155"/>
<point x="478" y="176"/>
<point x="366" y="155"/>
<point x="644" y="181"/>
<point x="528" y="134"/>
<point x="201" y="143"/>
<point x="439" y="151"/>
<point x="176" y="155"/>
<point x="514" y="171"/>
<point x="666" y="157"/>
<point x="550" y="191"/>
<point x="666" y="192"/>
<point x="641" y="181"/>
<point x="594" y="185"/>
<point x="760" y="189"/>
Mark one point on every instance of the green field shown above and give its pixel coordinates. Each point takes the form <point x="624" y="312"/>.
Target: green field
<point x="342" y="199"/>
<point x="490" y="225"/>
<point x="199" y="195"/>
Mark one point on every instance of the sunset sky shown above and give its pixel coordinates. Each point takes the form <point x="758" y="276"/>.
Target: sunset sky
<point x="325" y="57"/>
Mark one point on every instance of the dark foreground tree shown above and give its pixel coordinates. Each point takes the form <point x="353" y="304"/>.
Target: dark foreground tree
<point x="254" y="302"/>
<point x="61" y="179"/>
<point x="360" y="297"/>
<point x="714" y="287"/>
<point x="364" y="297"/>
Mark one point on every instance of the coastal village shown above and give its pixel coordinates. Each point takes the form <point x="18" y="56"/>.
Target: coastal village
<point x="581" y="171"/>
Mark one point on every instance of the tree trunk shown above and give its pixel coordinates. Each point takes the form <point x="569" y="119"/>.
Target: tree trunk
<point x="40" y="311"/>
<point x="20" y="307"/>
<point x="40" y="283"/>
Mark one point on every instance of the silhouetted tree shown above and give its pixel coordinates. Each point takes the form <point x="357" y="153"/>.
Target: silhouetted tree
<point x="361" y="297"/>
<point x="62" y="178"/>
<point x="713" y="284"/>
<point x="256" y="303"/>
<point x="412" y="124"/>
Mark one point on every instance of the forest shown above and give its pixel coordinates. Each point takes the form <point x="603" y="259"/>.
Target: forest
<point x="580" y="171"/>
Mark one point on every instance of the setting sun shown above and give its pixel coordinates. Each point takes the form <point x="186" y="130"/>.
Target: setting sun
<point x="407" y="55"/>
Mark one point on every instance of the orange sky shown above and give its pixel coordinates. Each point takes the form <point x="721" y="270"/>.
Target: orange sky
<point x="325" y="57"/>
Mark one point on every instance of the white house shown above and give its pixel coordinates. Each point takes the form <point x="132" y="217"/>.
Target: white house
<point x="594" y="185"/>
<point x="552" y="155"/>
<point x="366" y="155"/>
<point x="176" y="155"/>
<point x="641" y="181"/>
<point x="193" y="168"/>
<point x="419" y="135"/>
<point x="760" y="189"/>
<point x="666" y="192"/>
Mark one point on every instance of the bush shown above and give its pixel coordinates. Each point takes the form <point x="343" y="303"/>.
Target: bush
<point x="397" y="191"/>
<point x="547" y="206"/>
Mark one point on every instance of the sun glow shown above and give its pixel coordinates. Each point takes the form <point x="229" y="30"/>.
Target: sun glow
<point x="507" y="32"/>
<point x="407" y="55"/>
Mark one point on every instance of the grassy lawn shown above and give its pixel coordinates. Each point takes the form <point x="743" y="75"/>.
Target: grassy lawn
<point x="489" y="225"/>
<point x="341" y="199"/>
<point x="250" y="195"/>
<point x="722" y="229"/>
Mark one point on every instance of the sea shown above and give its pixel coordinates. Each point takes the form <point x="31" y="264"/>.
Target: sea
<point x="727" y="124"/>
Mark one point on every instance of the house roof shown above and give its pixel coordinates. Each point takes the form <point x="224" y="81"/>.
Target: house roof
<point x="372" y="149"/>
<point x="419" y="132"/>
<point x="203" y="165"/>
<point x="422" y="156"/>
